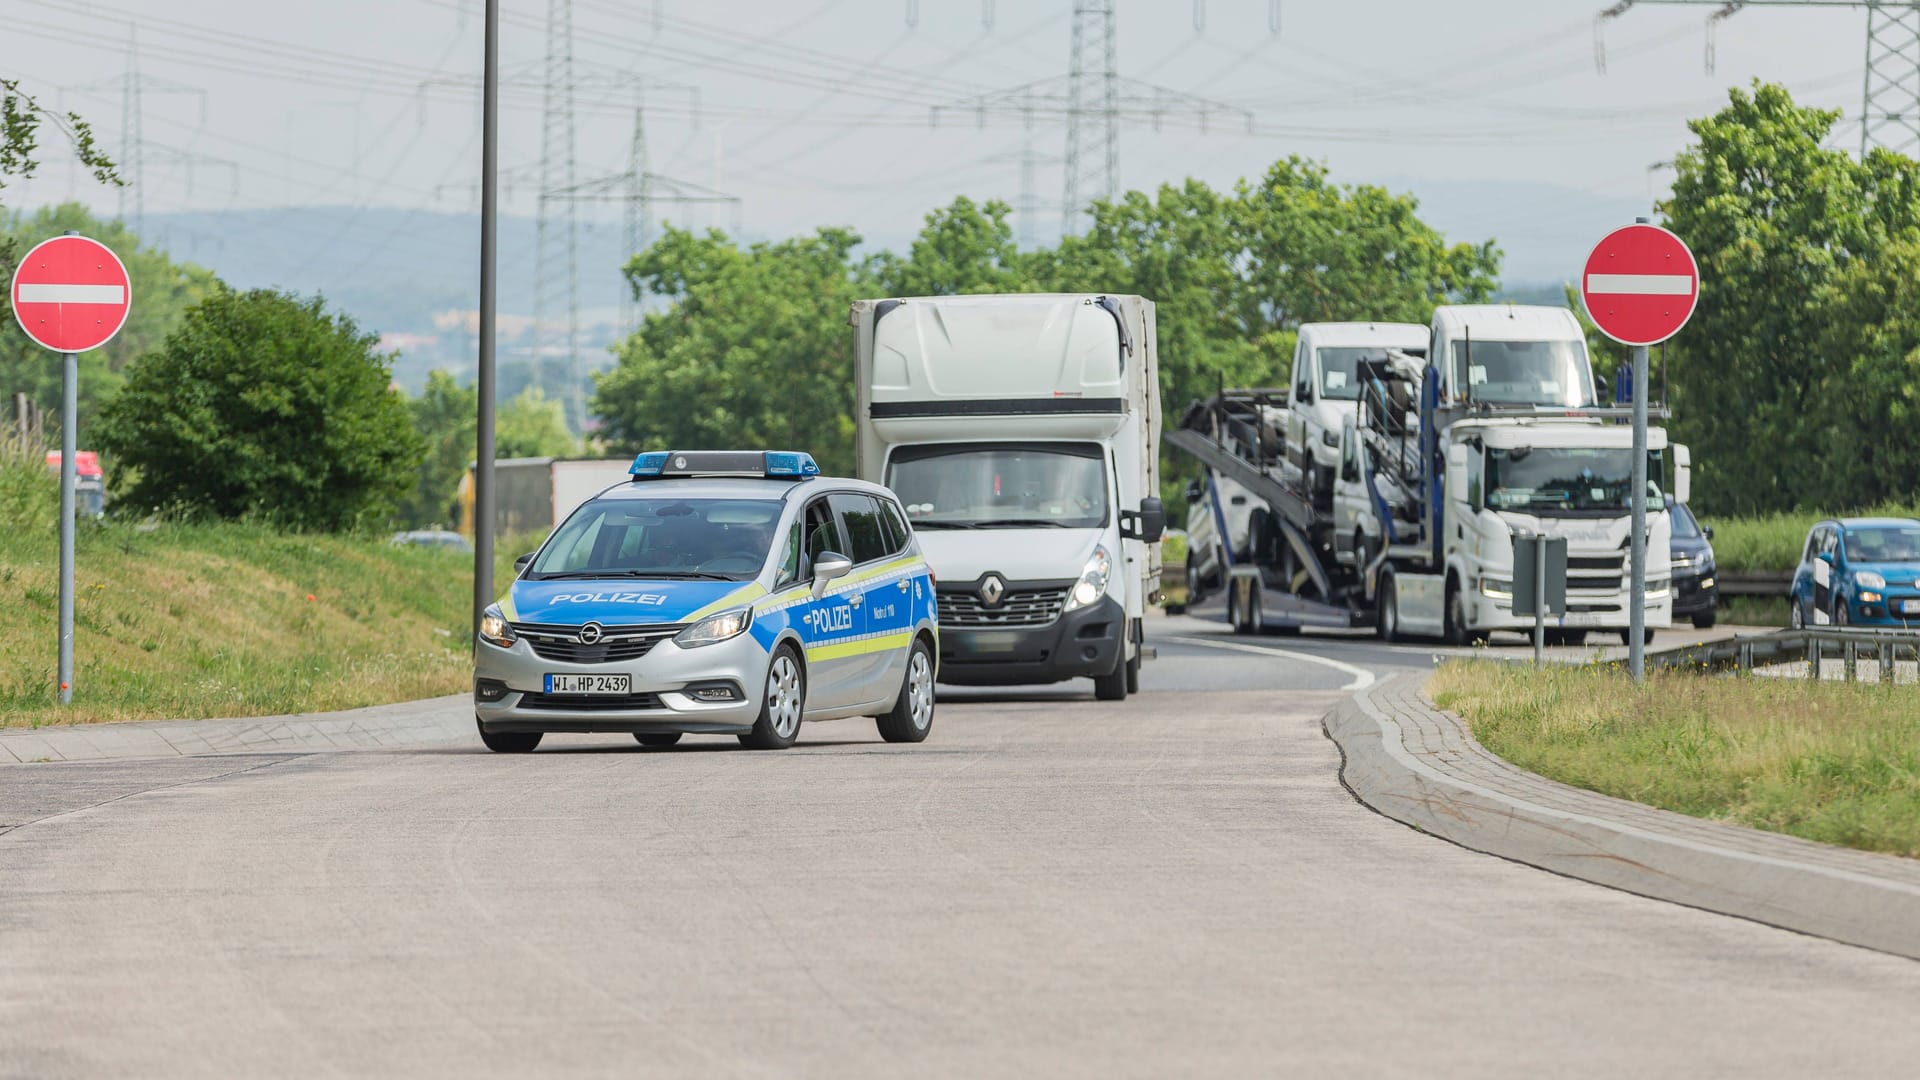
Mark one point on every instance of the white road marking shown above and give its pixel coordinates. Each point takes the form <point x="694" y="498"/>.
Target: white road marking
<point x="72" y="294"/>
<point x="1641" y="284"/>
<point x="1362" y="678"/>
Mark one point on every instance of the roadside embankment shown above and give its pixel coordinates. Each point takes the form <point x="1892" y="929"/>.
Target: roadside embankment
<point x="1833" y="762"/>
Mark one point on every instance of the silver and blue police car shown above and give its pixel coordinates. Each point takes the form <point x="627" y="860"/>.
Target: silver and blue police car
<point x="718" y="592"/>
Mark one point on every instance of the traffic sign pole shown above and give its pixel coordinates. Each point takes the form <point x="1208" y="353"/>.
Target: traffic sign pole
<point x="69" y="467"/>
<point x="1640" y="287"/>
<point x="1637" y="602"/>
<point x="71" y="295"/>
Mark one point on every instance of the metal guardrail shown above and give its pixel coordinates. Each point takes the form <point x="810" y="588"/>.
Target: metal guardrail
<point x="1754" y="582"/>
<point x="1849" y="646"/>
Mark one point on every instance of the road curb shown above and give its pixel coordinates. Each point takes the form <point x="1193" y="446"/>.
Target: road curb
<point x="430" y="722"/>
<point x="1418" y="765"/>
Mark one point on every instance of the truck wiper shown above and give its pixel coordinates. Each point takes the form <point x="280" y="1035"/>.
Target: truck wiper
<point x="1019" y="523"/>
<point x="944" y="525"/>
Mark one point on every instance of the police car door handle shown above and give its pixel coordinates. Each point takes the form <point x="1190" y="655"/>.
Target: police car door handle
<point x="903" y="584"/>
<point x="855" y="599"/>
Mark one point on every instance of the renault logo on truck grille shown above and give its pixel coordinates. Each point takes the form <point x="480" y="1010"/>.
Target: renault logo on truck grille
<point x="590" y="634"/>
<point x="992" y="589"/>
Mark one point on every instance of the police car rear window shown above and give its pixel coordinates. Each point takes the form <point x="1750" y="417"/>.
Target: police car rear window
<point x="860" y="517"/>
<point x="725" y="539"/>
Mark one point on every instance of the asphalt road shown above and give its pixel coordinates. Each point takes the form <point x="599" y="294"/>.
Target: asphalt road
<point x="1176" y="885"/>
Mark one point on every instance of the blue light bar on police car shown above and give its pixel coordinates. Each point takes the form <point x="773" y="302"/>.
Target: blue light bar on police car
<point x="771" y="464"/>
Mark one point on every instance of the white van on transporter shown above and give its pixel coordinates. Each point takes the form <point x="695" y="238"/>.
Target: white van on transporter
<point x="1022" y="434"/>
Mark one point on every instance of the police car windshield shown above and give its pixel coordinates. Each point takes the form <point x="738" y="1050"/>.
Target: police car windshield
<point x="1001" y="486"/>
<point x="722" y="539"/>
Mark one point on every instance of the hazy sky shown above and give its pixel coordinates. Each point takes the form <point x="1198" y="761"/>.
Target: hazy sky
<point x="818" y="111"/>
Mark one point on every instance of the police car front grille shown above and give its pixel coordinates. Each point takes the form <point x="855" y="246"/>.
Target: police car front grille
<point x="1019" y="607"/>
<point x="576" y="703"/>
<point x="555" y="642"/>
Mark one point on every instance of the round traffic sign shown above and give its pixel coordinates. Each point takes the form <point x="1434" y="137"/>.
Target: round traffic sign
<point x="1640" y="285"/>
<point x="71" y="294"/>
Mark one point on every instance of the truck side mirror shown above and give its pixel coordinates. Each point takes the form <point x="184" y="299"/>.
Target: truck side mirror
<point x="520" y="564"/>
<point x="1149" y="523"/>
<point x="1682" y="473"/>
<point x="1456" y="469"/>
<point x="1194" y="493"/>
<point x="830" y="565"/>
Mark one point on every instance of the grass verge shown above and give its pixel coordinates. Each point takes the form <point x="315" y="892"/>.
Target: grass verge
<point x="194" y="621"/>
<point x="1833" y="762"/>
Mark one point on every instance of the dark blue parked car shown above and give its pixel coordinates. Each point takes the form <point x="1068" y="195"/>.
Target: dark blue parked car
<point x="1696" y="594"/>
<point x="1859" y="572"/>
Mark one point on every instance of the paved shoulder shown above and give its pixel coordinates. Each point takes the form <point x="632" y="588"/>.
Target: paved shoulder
<point x="1419" y="765"/>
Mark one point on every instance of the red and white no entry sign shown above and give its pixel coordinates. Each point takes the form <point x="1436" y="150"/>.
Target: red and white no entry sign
<point x="71" y="294"/>
<point x="1640" y="285"/>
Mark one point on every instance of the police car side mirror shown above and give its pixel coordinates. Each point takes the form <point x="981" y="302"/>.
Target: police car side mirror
<point x="830" y="565"/>
<point x="520" y="564"/>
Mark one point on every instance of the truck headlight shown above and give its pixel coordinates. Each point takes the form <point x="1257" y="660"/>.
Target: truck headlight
<point x="1870" y="580"/>
<point x="1493" y="586"/>
<point x="1093" y="579"/>
<point x="495" y="629"/>
<point x="1658" y="587"/>
<point x="716" y="628"/>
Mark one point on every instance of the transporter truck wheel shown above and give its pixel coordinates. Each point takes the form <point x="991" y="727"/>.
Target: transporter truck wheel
<point x="1386" y="613"/>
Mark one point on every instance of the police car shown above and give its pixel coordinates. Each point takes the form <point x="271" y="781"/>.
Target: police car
<point x="719" y="592"/>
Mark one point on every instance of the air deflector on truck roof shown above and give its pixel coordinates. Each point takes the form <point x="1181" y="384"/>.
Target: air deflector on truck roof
<point x="1073" y="406"/>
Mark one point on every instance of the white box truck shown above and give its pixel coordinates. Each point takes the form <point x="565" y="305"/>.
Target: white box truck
<point x="1022" y="433"/>
<point x="532" y="496"/>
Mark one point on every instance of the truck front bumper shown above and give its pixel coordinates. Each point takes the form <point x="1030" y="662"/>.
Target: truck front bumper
<point x="1087" y="641"/>
<point x="1607" y="611"/>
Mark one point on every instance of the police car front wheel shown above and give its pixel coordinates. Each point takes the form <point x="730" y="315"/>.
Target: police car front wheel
<point x="508" y="742"/>
<point x="912" y="714"/>
<point x="780" y="707"/>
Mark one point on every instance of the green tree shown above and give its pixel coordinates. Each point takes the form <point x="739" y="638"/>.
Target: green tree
<point x="162" y="292"/>
<point x="21" y="117"/>
<point x="533" y="425"/>
<point x="753" y="351"/>
<point x="964" y="247"/>
<point x="1782" y="227"/>
<point x="261" y="404"/>
<point x="444" y="416"/>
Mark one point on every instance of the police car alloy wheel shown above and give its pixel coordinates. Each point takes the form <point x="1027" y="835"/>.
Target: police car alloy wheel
<point x="912" y="714"/>
<point x="786" y="698"/>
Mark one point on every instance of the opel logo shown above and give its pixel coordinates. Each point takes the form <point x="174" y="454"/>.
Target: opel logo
<point x="992" y="589"/>
<point x="590" y="634"/>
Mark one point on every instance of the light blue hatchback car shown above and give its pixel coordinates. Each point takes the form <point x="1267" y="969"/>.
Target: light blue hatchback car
<point x="1859" y="572"/>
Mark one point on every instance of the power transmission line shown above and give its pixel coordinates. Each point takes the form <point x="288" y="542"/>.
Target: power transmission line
<point x="1890" y="83"/>
<point x="1093" y="100"/>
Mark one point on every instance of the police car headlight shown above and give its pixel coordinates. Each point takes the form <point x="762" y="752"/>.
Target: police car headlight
<point x="1093" y="579"/>
<point x="495" y="629"/>
<point x="716" y="628"/>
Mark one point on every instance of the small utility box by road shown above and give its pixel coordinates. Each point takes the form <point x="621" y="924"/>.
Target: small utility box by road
<point x="1539" y="582"/>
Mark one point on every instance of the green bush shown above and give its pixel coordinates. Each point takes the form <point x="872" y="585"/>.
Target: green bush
<point x="261" y="405"/>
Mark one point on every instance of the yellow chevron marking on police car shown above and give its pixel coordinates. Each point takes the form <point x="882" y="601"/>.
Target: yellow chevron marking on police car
<point x="860" y="646"/>
<point x="507" y="607"/>
<point x="732" y="600"/>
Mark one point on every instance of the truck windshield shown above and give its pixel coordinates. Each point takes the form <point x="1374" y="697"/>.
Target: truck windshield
<point x="1550" y="373"/>
<point x="722" y="539"/>
<point x="999" y="486"/>
<point x="1550" y="480"/>
<point x="1340" y="371"/>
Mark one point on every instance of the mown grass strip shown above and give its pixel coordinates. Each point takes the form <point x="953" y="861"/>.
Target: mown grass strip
<point x="1833" y="762"/>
